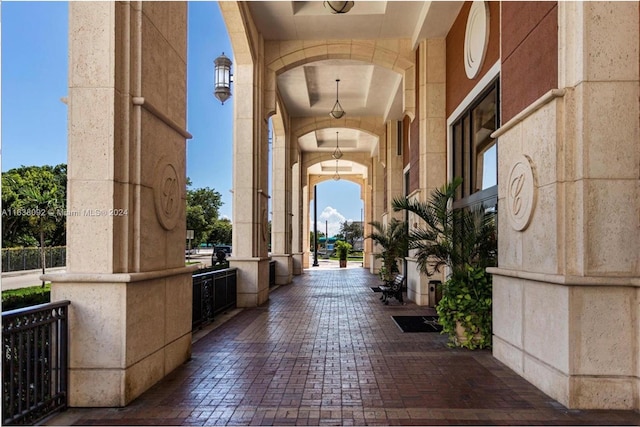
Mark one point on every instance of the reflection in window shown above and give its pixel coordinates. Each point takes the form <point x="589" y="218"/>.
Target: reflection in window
<point x="475" y="154"/>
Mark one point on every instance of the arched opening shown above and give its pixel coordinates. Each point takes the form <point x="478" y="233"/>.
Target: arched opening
<point x="340" y="214"/>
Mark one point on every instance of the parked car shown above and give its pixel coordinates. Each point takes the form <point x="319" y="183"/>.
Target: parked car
<point x="224" y="248"/>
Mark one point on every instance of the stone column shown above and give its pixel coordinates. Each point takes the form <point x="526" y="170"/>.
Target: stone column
<point x="374" y="210"/>
<point x="306" y="244"/>
<point x="250" y="157"/>
<point x="433" y="146"/>
<point x="297" y="220"/>
<point x="567" y="290"/>
<point x="130" y="292"/>
<point x="281" y="205"/>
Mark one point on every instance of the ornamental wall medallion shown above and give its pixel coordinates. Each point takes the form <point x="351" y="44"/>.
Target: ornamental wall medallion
<point x="476" y="38"/>
<point x="166" y="194"/>
<point x="521" y="193"/>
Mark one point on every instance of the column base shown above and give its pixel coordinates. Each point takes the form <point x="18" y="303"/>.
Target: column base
<point x="298" y="262"/>
<point x="418" y="285"/>
<point x="374" y="263"/>
<point x="127" y="331"/>
<point x="253" y="280"/>
<point x="284" y="268"/>
<point x="573" y="339"/>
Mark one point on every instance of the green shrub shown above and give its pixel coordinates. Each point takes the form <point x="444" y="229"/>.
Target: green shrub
<point x="19" y="298"/>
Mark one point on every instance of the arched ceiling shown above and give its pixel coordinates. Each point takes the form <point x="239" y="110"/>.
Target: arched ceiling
<point x="365" y="89"/>
<point x="349" y="140"/>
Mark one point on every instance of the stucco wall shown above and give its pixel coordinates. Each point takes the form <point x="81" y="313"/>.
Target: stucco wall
<point x="458" y="84"/>
<point x="529" y="47"/>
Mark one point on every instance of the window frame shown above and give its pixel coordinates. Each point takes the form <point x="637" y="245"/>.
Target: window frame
<point x="464" y="157"/>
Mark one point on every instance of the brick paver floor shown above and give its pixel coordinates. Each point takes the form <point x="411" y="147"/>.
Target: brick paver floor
<point x="325" y="351"/>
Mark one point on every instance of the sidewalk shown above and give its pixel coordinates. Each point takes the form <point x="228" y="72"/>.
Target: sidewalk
<point x="25" y="278"/>
<point x="325" y="351"/>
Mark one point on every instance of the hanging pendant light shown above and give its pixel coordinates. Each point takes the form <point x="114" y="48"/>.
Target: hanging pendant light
<point x="337" y="112"/>
<point x="339" y="6"/>
<point x="336" y="176"/>
<point x="337" y="153"/>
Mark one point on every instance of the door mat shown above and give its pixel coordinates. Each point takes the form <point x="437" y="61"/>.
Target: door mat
<point x="417" y="323"/>
<point x="376" y="289"/>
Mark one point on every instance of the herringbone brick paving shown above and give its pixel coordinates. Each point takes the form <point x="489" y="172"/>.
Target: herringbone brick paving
<point x="325" y="351"/>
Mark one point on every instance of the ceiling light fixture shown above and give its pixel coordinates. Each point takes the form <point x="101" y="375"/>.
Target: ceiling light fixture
<point x="337" y="112"/>
<point x="337" y="153"/>
<point x="338" y="6"/>
<point x="336" y="176"/>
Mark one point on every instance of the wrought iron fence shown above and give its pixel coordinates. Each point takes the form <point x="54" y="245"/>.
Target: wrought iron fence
<point x="16" y="259"/>
<point x="213" y="293"/>
<point x="34" y="362"/>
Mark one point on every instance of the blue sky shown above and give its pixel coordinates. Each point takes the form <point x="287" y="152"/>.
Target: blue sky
<point x="34" y="119"/>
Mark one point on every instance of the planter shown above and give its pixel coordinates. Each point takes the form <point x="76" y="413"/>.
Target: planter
<point x="343" y="263"/>
<point x="461" y="337"/>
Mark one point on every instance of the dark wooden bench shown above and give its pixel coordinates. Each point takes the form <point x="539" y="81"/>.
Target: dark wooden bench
<point x="393" y="289"/>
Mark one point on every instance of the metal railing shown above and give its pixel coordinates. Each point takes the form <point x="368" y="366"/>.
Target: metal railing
<point x="18" y="259"/>
<point x="34" y="362"/>
<point x="213" y="293"/>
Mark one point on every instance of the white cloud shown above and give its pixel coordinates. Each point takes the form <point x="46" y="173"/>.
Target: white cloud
<point x="331" y="219"/>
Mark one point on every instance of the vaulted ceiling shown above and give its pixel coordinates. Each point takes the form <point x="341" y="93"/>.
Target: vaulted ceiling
<point x="365" y="89"/>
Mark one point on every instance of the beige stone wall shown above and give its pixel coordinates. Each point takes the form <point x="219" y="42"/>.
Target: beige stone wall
<point x="566" y="291"/>
<point x="130" y="292"/>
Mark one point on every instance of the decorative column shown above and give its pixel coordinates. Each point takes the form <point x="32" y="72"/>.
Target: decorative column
<point x="297" y="220"/>
<point x="567" y="290"/>
<point x="130" y="292"/>
<point x="250" y="157"/>
<point x="306" y="200"/>
<point x="433" y="146"/>
<point x="281" y="206"/>
<point x="374" y="209"/>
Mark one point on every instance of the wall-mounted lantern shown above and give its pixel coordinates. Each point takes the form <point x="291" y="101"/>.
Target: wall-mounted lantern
<point x="222" y="78"/>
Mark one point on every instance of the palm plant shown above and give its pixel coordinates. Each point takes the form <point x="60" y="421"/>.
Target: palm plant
<point x="464" y="240"/>
<point x="394" y="242"/>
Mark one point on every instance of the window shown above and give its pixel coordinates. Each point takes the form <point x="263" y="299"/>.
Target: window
<point x="475" y="153"/>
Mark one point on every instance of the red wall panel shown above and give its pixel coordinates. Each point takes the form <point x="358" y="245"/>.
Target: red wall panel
<point x="458" y="84"/>
<point x="529" y="54"/>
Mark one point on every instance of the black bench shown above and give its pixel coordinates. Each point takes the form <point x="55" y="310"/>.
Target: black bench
<point x="393" y="289"/>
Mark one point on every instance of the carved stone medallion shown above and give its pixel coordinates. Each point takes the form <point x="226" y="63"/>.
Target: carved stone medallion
<point x="476" y="38"/>
<point x="521" y="193"/>
<point x="166" y="193"/>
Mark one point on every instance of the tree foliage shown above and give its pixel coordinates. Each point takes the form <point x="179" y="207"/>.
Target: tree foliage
<point x="203" y="206"/>
<point x="351" y="231"/>
<point x="33" y="206"/>
<point x="221" y="232"/>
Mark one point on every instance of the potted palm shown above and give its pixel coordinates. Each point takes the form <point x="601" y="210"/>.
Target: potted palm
<point x="394" y="243"/>
<point x="343" y="248"/>
<point x="463" y="240"/>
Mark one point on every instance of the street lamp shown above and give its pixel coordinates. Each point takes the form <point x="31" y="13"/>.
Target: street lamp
<point x="222" y="78"/>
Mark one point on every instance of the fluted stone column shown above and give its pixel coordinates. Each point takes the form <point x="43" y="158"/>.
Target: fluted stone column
<point x="130" y="292"/>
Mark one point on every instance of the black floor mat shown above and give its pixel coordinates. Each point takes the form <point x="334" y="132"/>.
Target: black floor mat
<point x="417" y="323"/>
